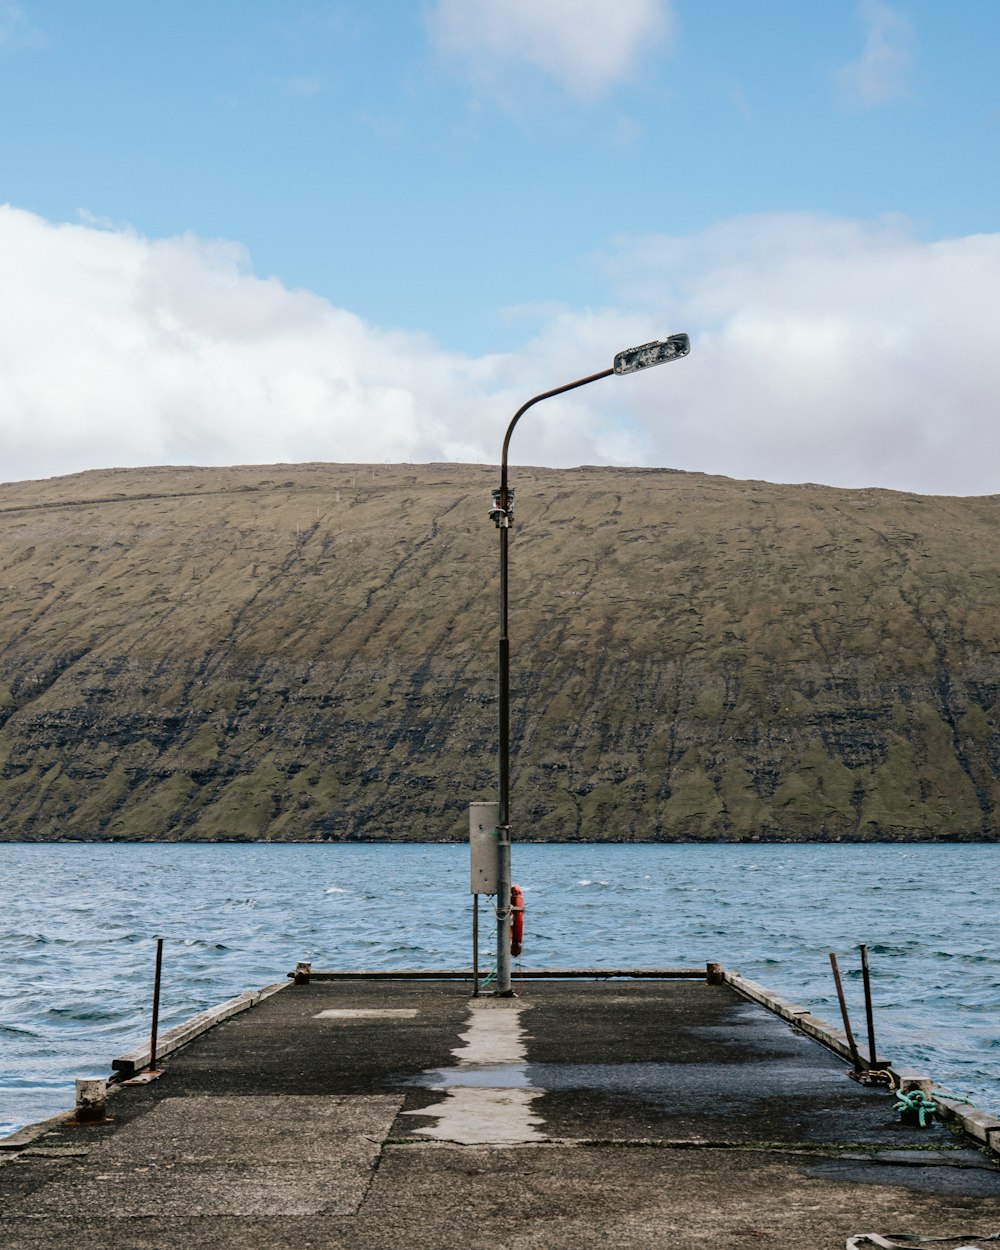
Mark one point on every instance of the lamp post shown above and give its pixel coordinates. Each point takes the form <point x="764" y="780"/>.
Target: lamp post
<point x="502" y="514"/>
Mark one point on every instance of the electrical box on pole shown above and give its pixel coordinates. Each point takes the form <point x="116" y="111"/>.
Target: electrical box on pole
<point x="483" y="821"/>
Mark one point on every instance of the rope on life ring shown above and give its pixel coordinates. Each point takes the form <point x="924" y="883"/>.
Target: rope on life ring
<point x="516" y="919"/>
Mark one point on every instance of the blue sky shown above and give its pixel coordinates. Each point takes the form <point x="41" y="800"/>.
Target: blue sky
<point x="255" y="230"/>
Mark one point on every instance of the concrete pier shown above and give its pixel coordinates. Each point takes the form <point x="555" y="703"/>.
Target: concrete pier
<point x="363" y="1114"/>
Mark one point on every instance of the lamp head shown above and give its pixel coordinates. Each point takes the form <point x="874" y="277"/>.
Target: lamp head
<point x="649" y="354"/>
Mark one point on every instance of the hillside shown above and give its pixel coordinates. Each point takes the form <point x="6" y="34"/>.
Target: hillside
<point x="308" y="652"/>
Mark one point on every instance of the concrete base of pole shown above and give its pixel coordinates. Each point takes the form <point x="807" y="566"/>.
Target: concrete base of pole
<point x="91" y="1101"/>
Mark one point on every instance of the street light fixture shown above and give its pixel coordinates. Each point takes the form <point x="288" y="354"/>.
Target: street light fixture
<point x="502" y="514"/>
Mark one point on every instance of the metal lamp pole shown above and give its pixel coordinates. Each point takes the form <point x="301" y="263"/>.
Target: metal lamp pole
<point x="502" y="514"/>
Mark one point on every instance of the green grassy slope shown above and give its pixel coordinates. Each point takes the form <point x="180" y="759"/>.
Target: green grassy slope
<point x="309" y="652"/>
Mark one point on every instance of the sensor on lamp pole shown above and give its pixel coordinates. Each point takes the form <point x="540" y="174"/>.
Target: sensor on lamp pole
<point x="502" y="514"/>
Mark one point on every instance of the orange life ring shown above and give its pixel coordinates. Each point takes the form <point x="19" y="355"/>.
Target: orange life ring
<point x="516" y="919"/>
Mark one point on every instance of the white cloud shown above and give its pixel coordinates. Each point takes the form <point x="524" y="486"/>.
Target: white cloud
<point x="118" y="350"/>
<point x="585" y="46"/>
<point x="17" y="30"/>
<point x="883" y="71"/>
<point x="823" y="350"/>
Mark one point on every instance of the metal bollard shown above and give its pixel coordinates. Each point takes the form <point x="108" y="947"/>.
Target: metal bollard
<point x="302" y="973"/>
<point x="91" y="1100"/>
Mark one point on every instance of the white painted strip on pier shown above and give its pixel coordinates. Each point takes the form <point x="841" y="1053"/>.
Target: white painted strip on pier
<point x="494" y="1034"/>
<point x="484" y="1117"/>
<point x="488" y="1096"/>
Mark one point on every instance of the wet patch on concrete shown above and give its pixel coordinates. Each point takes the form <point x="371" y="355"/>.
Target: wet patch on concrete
<point x="493" y="1076"/>
<point x="690" y="1062"/>
<point x="691" y="1087"/>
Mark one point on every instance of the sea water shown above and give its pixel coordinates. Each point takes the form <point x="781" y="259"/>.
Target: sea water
<point x="79" y="922"/>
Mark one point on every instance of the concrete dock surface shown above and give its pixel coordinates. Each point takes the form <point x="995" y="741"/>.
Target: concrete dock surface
<point x="352" y="1115"/>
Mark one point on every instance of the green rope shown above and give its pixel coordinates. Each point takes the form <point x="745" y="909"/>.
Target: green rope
<point x="952" y="1097"/>
<point x="915" y="1103"/>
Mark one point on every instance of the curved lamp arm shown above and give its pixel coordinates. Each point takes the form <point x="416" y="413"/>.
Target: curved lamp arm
<point x="559" y="390"/>
<point x="629" y="361"/>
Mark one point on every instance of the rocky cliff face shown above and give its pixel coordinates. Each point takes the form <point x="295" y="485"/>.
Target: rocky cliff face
<point x="309" y="652"/>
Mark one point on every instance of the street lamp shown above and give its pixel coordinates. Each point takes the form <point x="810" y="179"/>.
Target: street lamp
<point x="502" y="514"/>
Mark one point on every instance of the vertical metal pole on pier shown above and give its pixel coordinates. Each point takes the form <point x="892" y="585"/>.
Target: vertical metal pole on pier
<point x="475" y="946"/>
<point x="156" y="1004"/>
<point x="855" y="1053"/>
<point x="503" y="986"/>
<point x="502" y="514"/>
<point x="869" y="1014"/>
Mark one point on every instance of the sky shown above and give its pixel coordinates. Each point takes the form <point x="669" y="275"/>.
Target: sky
<point x="260" y="231"/>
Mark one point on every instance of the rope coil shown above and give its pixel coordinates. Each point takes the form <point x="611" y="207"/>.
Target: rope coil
<point x="915" y="1105"/>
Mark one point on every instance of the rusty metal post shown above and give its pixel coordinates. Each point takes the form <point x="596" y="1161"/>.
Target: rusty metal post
<point x="855" y="1054"/>
<point x="156" y="1004"/>
<point x="869" y="1014"/>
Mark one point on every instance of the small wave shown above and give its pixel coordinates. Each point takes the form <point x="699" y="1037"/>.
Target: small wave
<point x="334" y="889"/>
<point x="42" y="939"/>
<point x="20" y="1084"/>
<point x="83" y="1015"/>
<point x="14" y="1030"/>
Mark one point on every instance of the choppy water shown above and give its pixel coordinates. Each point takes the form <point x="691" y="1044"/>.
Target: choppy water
<point x="78" y="923"/>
